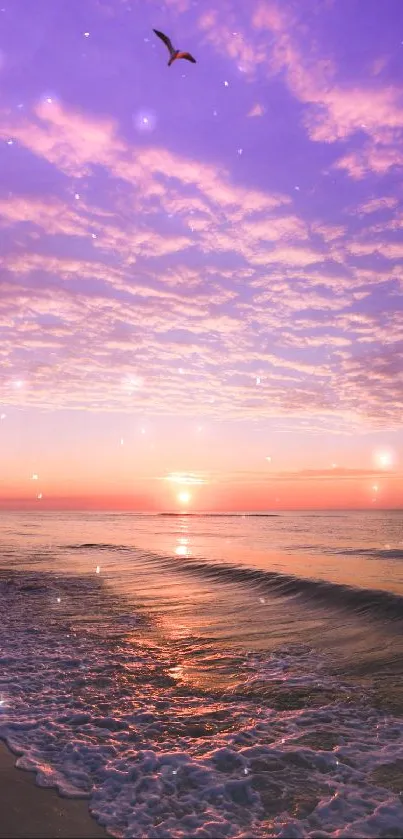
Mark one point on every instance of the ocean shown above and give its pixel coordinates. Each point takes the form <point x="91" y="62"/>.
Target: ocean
<point x="208" y="675"/>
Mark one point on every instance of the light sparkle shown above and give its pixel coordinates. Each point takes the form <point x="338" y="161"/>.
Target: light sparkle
<point x="384" y="458"/>
<point x="144" y="120"/>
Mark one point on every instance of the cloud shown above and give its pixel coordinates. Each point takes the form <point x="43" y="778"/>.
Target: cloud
<point x="282" y="41"/>
<point x="51" y="214"/>
<point x="187" y="479"/>
<point x="336" y="110"/>
<point x="220" y="30"/>
<point x="75" y="145"/>
<point x="373" y="157"/>
<point x="335" y="473"/>
<point x="374" y="205"/>
<point x="191" y="282"/>
<point x="256" y="110"/>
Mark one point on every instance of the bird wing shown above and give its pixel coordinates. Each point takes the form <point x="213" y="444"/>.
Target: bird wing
<point x="165" y="39"/>
<point x="187" y="56"/>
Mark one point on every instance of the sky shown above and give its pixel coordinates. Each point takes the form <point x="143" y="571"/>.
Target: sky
<point x="201" y="265"/>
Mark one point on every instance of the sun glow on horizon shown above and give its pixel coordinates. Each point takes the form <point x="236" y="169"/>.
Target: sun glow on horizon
<point x="184" y="497"/>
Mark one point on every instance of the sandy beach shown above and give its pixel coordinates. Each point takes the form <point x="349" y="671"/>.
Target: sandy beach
<point x="31" y="812"/>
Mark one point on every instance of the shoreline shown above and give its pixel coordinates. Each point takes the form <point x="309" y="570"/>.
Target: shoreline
<point x="32" y="812"/>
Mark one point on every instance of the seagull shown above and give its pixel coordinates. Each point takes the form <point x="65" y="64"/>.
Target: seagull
<point x="173" y="52"/>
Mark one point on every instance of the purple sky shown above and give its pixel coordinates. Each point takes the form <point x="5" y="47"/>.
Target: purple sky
<point x="201" y="264"/>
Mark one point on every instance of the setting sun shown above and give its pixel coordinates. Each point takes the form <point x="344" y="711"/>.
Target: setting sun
<point x="184" y="497"/>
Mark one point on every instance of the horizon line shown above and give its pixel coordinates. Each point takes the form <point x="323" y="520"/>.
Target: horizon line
<point x="256" y="512"/>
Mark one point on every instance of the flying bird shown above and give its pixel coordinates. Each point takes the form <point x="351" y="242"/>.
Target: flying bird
<point x="174" y="54"/>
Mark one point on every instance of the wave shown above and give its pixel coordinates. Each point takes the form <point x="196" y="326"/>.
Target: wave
<point x="371" y="553"/>
<point x="376" y="553"/>
<point x="96" y="546"/>
<point x="221" y="515"/>
<point x="374" y="602"/>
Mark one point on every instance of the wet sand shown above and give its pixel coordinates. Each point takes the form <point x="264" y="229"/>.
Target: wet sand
<point x="31" y="812"/>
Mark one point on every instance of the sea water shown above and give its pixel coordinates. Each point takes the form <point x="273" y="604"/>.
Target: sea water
<point x="209" y="676"/>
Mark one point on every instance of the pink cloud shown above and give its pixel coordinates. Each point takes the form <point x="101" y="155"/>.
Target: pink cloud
<point x="373" y="205"/>
<point x="117" y="311"/>
<point x="256" y="110"/>
<point x="51" y="214"/>
<point x="373" y="157"/>
<point x="219" y="28"/>
<point x="334" y="110"/>
<point x="74" y="144"/>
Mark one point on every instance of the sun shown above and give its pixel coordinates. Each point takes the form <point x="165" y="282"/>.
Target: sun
<point x="184" y="497"/>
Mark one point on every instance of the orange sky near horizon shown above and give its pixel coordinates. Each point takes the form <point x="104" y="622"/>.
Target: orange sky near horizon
<point x="348" y="490"/>
<point x="86" y="461"/>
